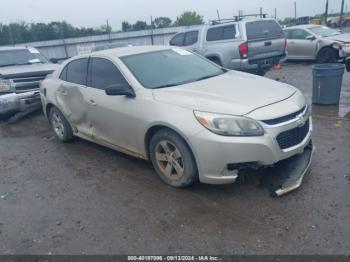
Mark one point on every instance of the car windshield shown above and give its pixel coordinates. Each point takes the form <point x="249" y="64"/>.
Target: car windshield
<point x="21" y="57"/>
<point x="167" y="68"/>
<point x="324" y="31"/>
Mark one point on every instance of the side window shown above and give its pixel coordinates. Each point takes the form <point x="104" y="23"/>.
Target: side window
<point x="77" y="71"/>
<point x="177" y="40"/>
<point x="63" y="75"/>
<point x="229" y="32"/>
<point x="221" y="33"/>
<point x="287" y="33"/>
<point x="214" y="34"/>
<point x="191" y="38"/>
<point x="299" y="34"/>
<point x="103" y="74"/>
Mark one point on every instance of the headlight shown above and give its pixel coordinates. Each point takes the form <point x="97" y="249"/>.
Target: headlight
<point x="227" y="125"/>
<point x="5" y="85"/>
<point x="338" y="46"/>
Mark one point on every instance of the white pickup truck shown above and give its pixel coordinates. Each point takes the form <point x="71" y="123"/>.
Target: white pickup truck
<point x="247" y="45"/>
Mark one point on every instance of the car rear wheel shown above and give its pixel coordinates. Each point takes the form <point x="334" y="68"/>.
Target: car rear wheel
<point x="327" y="55"/>
<point x="60" y="125"/>
<point x="172" y="159"/>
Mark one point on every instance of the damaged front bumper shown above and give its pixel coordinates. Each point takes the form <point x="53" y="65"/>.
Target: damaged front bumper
<point x="19" y="102"/>
<point x="287" y="175"/>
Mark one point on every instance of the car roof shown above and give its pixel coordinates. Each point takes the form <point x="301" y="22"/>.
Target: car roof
<point x="8" y="48"/>
<point x="130" y="50"/>
<point x="301" y="27"/>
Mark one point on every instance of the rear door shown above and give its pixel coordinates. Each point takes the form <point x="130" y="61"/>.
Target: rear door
<point x="299" y="47"/>
<point x="71" y="95"/>
<point x="265" y="40"/>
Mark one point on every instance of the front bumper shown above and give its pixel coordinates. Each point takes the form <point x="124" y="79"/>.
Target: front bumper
<point x="216" y="154"/>
<point x="19" y="102"/>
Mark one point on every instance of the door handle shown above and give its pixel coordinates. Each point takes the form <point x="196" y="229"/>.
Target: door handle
<point x="64" y="93"/>
<point x="92" y="102"/>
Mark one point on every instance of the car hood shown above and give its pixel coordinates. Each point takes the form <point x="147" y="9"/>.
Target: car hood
<point x="27" y="70"/>
<point x="234" y="93"/>
<point x="340" y="38"/>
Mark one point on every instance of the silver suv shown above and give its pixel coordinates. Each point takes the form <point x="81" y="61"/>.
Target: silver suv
<point x="21" y="70"/>
<point x="249" y="45"/>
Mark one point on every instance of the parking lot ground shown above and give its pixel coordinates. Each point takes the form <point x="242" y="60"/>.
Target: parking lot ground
<point x="81" y="198"/>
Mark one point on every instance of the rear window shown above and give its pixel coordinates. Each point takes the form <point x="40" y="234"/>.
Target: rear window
<point x="221" y="33"/>
<point x="263" y="29"/>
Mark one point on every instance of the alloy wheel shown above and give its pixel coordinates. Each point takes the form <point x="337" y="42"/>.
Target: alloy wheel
<point x="57" y="124"/>
<point x="169" y="160"/>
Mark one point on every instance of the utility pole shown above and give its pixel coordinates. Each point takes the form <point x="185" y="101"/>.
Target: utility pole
<point x="152" y="39"/>
<point x="326" y="13"/>
<point x="217" y="11"/>
<point x="63" y="40"/>
<point x="341" y="13"/>
<point x="275" y="13"/>
<point x="11" y="35"/>
<point x="109" y="32"/>
<point x="261" y="12"/>
<point x="295" y="12"/>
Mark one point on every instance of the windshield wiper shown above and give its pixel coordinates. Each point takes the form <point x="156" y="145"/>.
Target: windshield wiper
<point x="167" y="85"/>
<point x="210" y="76"/>
<point x="192" y="80"/>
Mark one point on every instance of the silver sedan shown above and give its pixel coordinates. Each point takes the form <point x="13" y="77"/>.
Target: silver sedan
<point x="316" y="42"/>
<point x="193" y="119"/>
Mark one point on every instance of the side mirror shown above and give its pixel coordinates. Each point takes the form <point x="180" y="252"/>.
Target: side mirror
<point x="311" y="38"/>
<point x="120" y="90"/>
<point x="54" y="60"/>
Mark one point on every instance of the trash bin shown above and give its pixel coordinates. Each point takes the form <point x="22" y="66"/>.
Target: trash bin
<point x="327" y="82"/>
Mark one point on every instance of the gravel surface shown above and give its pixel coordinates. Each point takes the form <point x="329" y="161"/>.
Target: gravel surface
<point x="81" y="198"/>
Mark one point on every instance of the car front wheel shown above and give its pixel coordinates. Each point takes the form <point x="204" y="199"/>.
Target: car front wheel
<point x="60" y="125"/>
<point x="327" y="55"/>
<point x="172" y="159"/>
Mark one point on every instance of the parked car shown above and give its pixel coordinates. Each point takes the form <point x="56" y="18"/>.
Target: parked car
<point x="315" y="42"/>
<point x="21" y="69"/>
<point x="248" y="45"/>
<point x="335" y="22"/>
<point x="191" y="118"/>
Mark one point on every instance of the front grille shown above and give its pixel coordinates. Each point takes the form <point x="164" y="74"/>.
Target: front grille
<point x="294" y="136"/>
<point x="23" y="84"/>
<point x="283" y="119"/>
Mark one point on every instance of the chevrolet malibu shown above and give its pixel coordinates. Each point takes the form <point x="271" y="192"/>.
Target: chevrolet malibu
<point x="192" y="118"/>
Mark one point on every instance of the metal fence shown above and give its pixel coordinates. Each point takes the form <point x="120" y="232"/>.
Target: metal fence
<point x="64" y="48"/>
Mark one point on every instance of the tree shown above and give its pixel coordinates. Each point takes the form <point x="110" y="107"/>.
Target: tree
<point x="139" y="25"/>
<point x="162" y="22"/>
<point x="126" y="26"/>
<point x="189" y="18"/>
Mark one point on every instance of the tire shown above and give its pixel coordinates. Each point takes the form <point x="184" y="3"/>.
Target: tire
<point x="172" y="159"/>
<point x="215" y="60"/>
<point x="326" y="55"/>
<point x="261" y="72"/>
<point x="60" y="125"/>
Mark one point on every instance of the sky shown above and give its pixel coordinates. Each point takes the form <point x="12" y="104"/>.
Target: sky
<point x="94" y="13"/>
